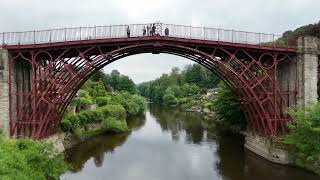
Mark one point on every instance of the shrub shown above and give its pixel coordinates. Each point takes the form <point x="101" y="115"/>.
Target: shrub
<point x="83" y="101"/>
<point x="71" y="123"/>
<point x="133" y="104"/>
<point x="227" y="108"/>
<point x="66" y="125"/>
<point x="304" y="134"/>
<point x="116" y="111"/>
<point x="102" y="101"/>
<point x="111" y="124"/>
<point x="28" y="159"/>
<point x="83" y="98"/>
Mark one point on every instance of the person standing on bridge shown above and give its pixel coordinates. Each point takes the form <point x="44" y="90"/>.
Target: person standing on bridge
<point x="153" y="29"/>
<point x="166" y="31"/>
<point x="128" y="31"/>
<point x="144" y="30"/>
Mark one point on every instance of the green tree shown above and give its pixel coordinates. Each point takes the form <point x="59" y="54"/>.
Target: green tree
<point x="227" y="108"/>
<point x="28" y="159"/>
<point x="304" y="133"/>
<point x="169" y="97"/>
<point x="119" y="82"/>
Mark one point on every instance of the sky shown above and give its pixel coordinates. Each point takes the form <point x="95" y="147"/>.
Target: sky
<point x="269" y="16"/>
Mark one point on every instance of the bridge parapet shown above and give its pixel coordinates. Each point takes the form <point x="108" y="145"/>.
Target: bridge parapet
<point x="137" y="30"/>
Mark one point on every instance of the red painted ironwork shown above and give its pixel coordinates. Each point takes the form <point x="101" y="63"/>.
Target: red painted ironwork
<point x="45" y="76"/>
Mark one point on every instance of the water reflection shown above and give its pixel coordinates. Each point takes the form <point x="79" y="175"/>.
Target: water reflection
<point x="94" y="148"/>
<point x="177" y="122"/>
<point x="167" y="143"/>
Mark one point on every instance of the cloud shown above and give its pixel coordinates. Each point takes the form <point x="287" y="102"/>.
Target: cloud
<point x="271" y="16"/>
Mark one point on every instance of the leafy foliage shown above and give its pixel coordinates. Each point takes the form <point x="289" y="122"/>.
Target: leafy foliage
<point x="173" y="88"/>
<point x="83" y="99"/>
<point x="113" y="105"/>
<point x="133" y="104"/>
<point x="29" y="159"/>
<point x="305" y="132"/>
<point x="116" y="81"/>
<point x="72" y="122"/>
<point x="169" y="97"/>
<point x="228" y="109"/>
<point x="307" y="30"/>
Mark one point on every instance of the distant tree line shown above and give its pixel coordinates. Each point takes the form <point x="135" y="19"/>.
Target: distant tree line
<point x="291" y="36"/>
<point x="115" y="81"/>
<point x="177" y="85"/>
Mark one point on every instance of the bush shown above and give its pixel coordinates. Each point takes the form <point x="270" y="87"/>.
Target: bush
<point x="73" y="122"/>
<point x="66" y="125"/>
<point x="114" y="125"/>
<point x="102" y="101"/>
<point x="133" y="104"/>
<point x="83" y="98"/>
<point x="116" y="111"/>
<point x="304" y="134"/>
<point x="169" y="97"/>
<point x="227" y="108"/>
<point x="28" y="159"/>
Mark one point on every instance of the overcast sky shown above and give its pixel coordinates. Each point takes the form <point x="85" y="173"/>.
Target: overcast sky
<point x="270" y="16"/>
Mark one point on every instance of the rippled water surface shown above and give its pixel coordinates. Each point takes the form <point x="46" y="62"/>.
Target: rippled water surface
<point x="168" y="144"/>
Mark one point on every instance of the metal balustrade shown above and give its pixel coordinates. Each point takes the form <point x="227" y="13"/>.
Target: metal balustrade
<point x="136" y="30"/>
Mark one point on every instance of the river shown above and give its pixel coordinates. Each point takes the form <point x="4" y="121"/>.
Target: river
<point x="168" y="144"/>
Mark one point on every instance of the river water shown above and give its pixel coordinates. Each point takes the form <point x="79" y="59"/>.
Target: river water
<point x="168" y="144"/>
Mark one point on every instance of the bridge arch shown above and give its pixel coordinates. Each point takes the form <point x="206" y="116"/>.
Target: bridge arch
<point x="57" y="73"/>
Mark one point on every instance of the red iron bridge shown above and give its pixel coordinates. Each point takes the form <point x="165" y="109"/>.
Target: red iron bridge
<point x="41" y="71"/>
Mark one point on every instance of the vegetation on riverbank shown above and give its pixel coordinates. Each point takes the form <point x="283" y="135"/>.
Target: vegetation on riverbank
<point x="180" y="87"/>
<point x="112" y="118"/>
<point x="189" y="89"/>
<point x="227" y="109"/>
<point x="111" y="106"/>
<point x="304" y="137"/>
<point x="28" y="159"/>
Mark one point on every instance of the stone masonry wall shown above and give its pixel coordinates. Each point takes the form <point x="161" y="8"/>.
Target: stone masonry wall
<point x="4" y="91"/>
<point x="307" y="70"/>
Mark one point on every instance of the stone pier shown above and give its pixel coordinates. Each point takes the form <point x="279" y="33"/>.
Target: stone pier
<point x="298" y="78"/>
<point x="4" y="91"/>
<point x="266" y="147"/>
<point x="307" y="70"/>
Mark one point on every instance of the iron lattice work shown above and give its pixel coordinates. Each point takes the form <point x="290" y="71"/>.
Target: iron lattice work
<point x="44" y="80"/>
<point x="46" y="69"/>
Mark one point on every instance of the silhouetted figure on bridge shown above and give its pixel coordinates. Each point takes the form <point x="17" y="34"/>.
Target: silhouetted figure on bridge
<point x="144" y="31"/>
<point x="166" y="31"/>
<point x="153" y="29"/>
<point x="128" y="31"/>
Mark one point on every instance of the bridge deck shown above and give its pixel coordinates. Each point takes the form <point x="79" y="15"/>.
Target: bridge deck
<point x="118" y="33"/>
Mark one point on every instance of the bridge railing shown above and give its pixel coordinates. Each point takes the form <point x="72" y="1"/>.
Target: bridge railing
<point x="136" y="30"/>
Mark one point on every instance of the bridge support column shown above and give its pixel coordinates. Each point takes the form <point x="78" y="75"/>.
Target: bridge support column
<point x="307" y="70"/>
<point x="266" y="147"/>
<point x="4" y="91"/>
